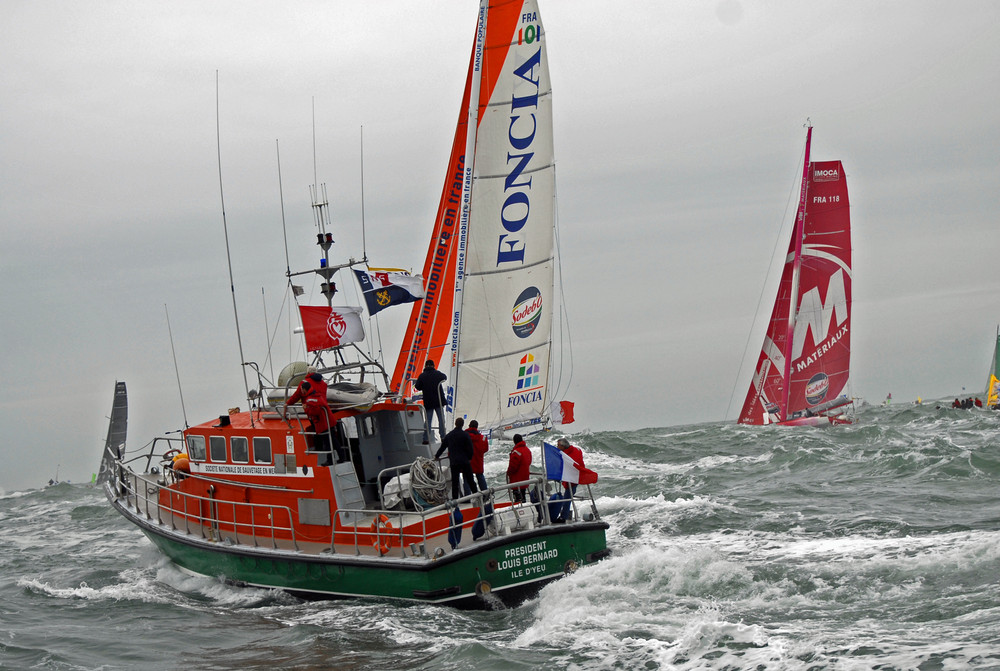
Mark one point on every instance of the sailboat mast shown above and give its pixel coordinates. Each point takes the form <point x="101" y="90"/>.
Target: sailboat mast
<point x="800" y="219"/>
<point x="472" y="128"/>
<point x="993" y="365"/>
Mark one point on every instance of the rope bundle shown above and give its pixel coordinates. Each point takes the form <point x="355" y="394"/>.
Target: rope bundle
<point x="427" y="482"/>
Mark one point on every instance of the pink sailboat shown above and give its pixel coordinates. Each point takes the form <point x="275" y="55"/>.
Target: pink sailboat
<point x="804" y="364"/>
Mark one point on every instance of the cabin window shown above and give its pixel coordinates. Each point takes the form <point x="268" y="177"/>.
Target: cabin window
<point x="240" y="448"/>
<point x="261" y="450"/>
<point x="196" y="448"/>
<point x="217" y="448"/>
<point x="367" y="426"/>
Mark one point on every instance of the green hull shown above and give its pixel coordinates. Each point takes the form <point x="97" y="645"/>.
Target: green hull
<point x="509" y="568"/>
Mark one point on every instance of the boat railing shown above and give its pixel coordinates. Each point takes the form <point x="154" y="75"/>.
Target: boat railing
<point x="396" y="482"/>
<point x="263" y="525"/>
<point x="528" y="499"/>
<point x="394" y="530"/>
<point x="421" y="532"/>
<point x="173" y="445"/>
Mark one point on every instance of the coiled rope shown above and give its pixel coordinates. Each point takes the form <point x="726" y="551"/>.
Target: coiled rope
<point x="427" y="482"/>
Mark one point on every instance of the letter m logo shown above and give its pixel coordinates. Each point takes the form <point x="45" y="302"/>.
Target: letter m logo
<point x="814" y="314"/>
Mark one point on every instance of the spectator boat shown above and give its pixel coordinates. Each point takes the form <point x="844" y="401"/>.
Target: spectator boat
<point x="253" y="496"/>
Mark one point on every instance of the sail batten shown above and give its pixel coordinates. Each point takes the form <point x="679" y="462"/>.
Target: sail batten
<point x="508" y="270"/>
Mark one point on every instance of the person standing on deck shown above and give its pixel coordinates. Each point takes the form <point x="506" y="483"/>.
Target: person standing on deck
<point x="312" y="392"/>
<point x="460" y="451"/>
<point x="564" y="510"/>
<point x="480" y="446"/>
<point x="519" y="468"/>
<point x="429" y="383"/>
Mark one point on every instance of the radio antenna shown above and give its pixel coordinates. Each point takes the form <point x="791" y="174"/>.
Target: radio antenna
<point x="225" y="229"/>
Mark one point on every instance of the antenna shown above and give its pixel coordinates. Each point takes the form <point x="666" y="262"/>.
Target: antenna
<point x="321" y="217"/>
<point x="364" y="244"/>
<point x="180" y="391"/>
<point x="225" y="229"/>
<point x="315" y="181"/>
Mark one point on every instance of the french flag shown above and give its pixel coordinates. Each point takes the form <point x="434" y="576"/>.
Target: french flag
<point x="559" y="466"/>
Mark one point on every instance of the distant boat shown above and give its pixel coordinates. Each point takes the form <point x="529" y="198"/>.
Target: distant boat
<point x="114" y="444"/>
<point x="993" y="381"/>
<point x="804" y="364"/>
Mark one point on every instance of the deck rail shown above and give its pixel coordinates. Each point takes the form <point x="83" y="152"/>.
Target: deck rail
<point x="423" y="531"/>
<point x="205" y="516"/>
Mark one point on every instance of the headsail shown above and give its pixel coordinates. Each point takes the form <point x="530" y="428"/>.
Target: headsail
<point x="487" y="312"/>
<point x="804" y="365"/>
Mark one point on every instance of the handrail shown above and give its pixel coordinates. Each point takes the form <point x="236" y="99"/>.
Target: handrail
<point x="190" y="511"/>
<point x="413" y="529"/>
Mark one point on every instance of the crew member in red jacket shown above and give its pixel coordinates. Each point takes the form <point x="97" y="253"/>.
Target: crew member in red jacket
<point x="312" y="392"/>
<point x="480" y="446"/>
<point x="563" y="511"/>
<point x="518" y="468"/>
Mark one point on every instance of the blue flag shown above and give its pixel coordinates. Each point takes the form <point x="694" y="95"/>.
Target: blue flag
<point x="384" y="288"/>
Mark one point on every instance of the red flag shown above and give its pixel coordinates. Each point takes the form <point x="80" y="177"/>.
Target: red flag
<point x="562" y="412"/>
<point x="326" y="327"/>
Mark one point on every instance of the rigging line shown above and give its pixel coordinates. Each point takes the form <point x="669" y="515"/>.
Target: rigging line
<point x="281" y="201"/>
<point x="225" y="229"/>
<point x="288" y="263"/>
<point x="267" y="339"/>
<point x="563" y="312"/>
<point x="796" y="182"/>
<point x="176" y="371"/>
<point x="274" y="333"/>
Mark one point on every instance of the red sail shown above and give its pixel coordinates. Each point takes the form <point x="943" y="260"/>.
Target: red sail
<point x="821" y="348"/>
<point x="767" y="386"/>
<point x="818" y="356"/>
<point x="429" y="330"/>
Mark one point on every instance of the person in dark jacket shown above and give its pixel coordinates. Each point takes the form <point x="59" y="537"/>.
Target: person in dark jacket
<point x="460" y="452"/>
<point x="429" y="384"/>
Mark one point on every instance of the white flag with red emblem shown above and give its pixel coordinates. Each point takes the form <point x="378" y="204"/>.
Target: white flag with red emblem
<point x="326" y="327"/>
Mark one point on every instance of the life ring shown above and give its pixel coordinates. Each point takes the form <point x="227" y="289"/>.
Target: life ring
<point x="383" y="530"/>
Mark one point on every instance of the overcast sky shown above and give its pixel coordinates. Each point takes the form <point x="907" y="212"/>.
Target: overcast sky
<point x="678" y="140"/>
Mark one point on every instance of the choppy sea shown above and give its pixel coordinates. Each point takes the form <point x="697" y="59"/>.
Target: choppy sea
<point x="870" y="546"/>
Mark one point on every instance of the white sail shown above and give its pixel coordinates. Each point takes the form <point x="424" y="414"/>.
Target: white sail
<point x="505" y="286"/>
<point x="486" y="318"/>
